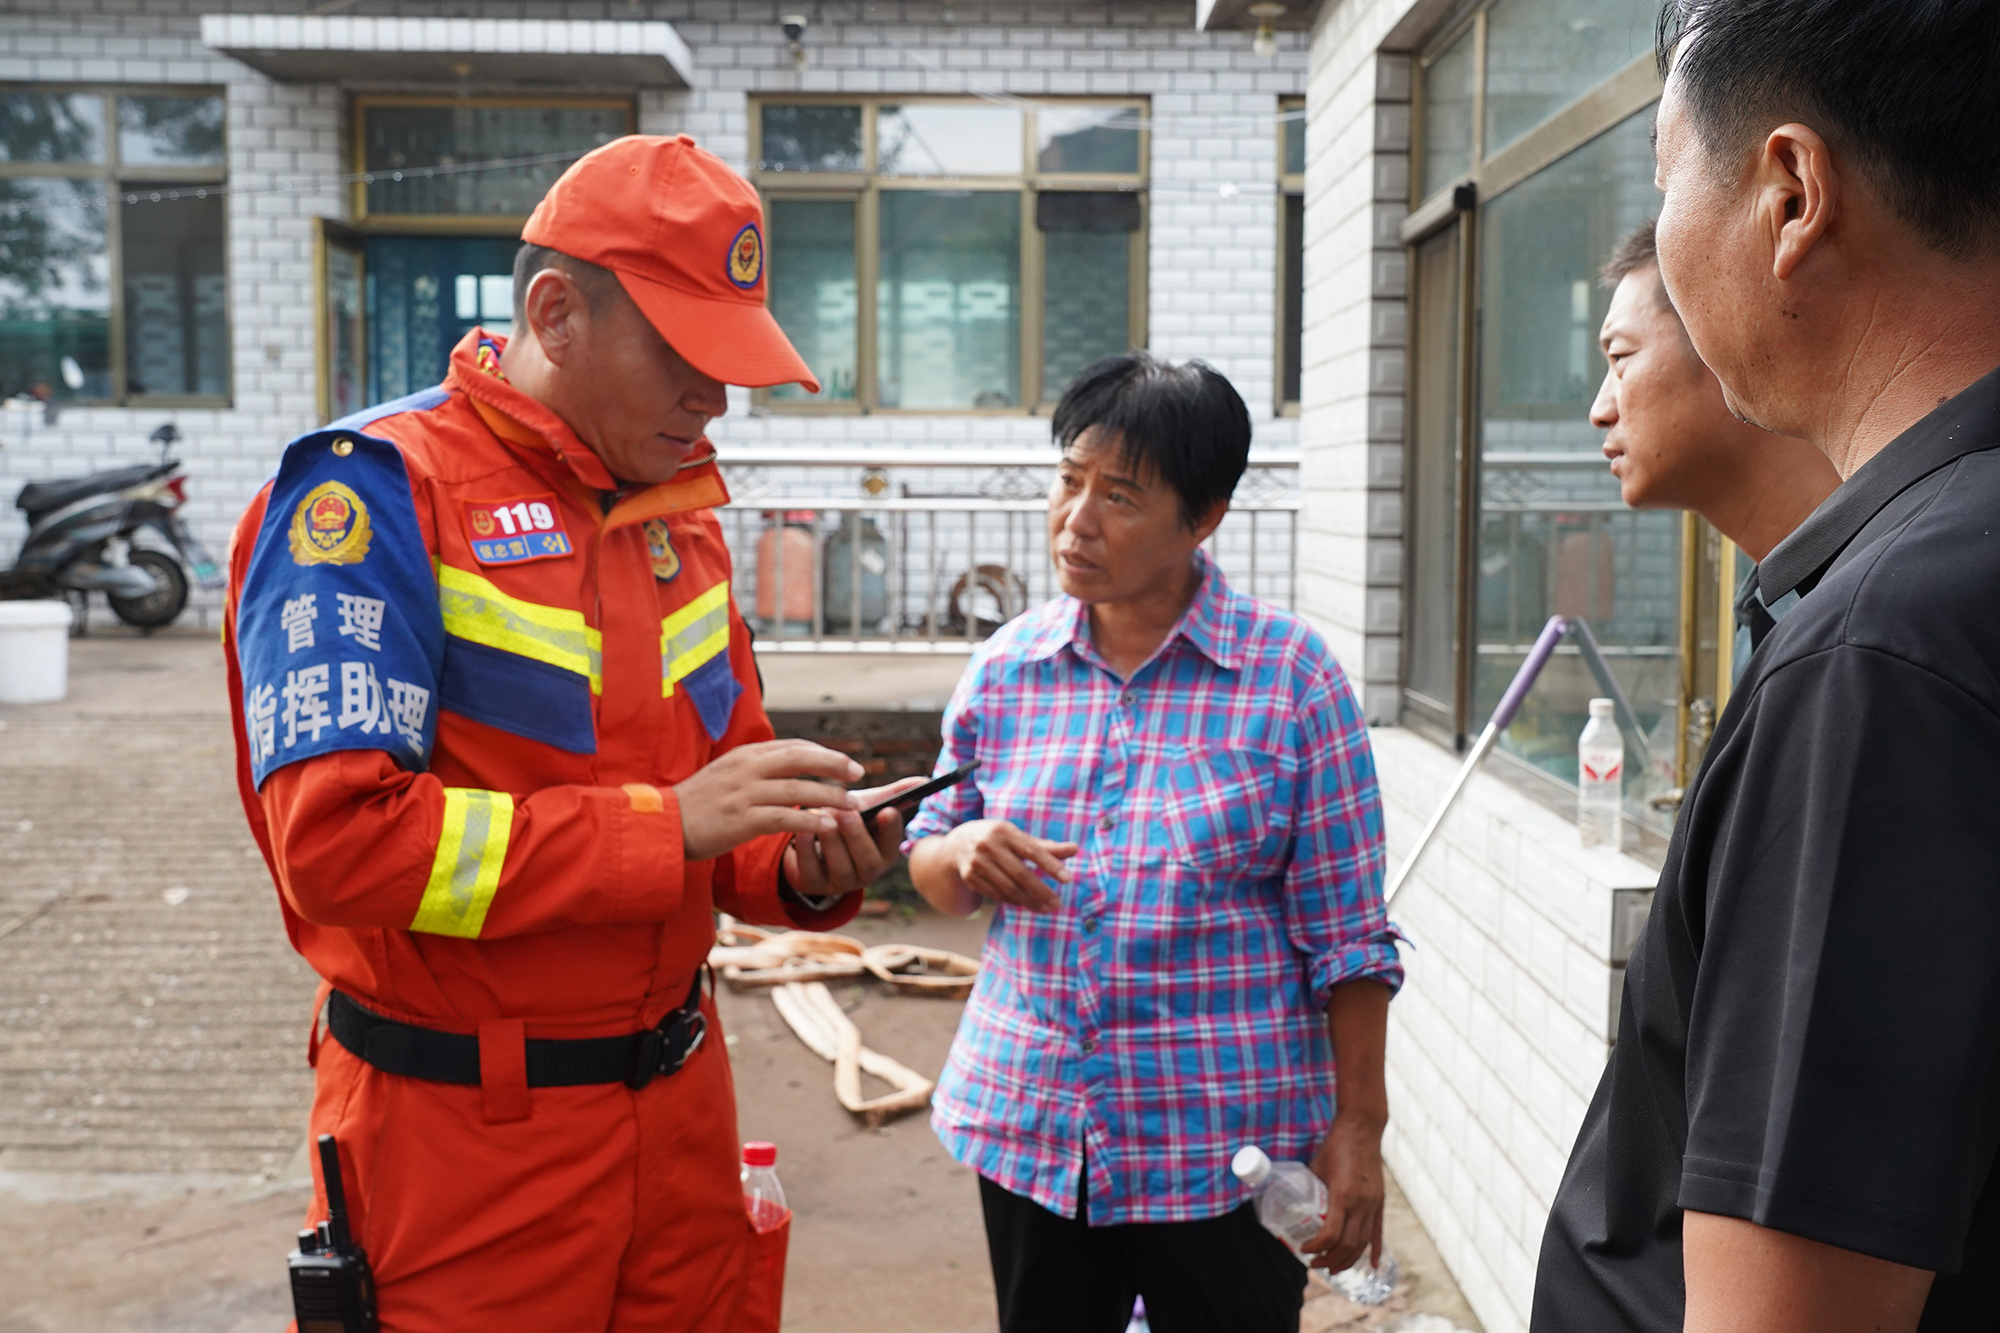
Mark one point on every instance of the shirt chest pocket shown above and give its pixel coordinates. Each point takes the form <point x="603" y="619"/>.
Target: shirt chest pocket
<point x="1228" y="811"/>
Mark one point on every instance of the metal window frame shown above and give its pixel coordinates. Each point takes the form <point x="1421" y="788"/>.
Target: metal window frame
<point x="866" y="188"/>
<point x="446" y="224"/>
<point x="112" y="172"/>
<point x="1461" y="203"/>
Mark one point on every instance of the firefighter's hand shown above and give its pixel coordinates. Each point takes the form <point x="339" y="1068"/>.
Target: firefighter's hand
<point x="763" y="788"/>
<point x="854" y="856"/>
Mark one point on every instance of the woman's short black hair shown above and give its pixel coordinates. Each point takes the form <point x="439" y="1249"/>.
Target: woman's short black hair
<point x="1186" y="423"/>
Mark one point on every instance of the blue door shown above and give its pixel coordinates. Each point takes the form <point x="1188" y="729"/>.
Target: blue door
<point x="424" y="292"/>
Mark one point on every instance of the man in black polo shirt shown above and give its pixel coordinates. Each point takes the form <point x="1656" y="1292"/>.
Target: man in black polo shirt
<point x="1799" y="1124"/>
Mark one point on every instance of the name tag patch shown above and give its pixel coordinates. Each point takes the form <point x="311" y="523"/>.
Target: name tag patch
<point x="511" y="532"/>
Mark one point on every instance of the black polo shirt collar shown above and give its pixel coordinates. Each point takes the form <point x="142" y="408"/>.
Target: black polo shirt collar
<point x="1966" y="424"/>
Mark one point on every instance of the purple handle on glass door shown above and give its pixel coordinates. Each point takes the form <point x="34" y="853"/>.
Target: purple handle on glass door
<point x="1524" y="679"/>
<point x="1510" y="703"/>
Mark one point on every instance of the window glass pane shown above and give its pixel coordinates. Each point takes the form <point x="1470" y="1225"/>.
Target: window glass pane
<point x="1447" y="126"/>
<point x="1294" y="131"/>
<point x="949" y="299"/>
<point x="1087" y="139"/>
<point x="948" y="141"/>
<point x="55" y="289"/>
<point x="1293" y="291"/>
<point x="51" y="127"/>
<point x="408" y="139"/>
<point x="176" y="325"/>
<point x="1554" y="537"/>
<point x="170" y="131"/>
<point x="1087" y="311"/>
<point x="417" y="308"/>
<point x="1432" y="551"/>
<point x="1541" y="55"/>
<point x="813" y="292"/>
<point x="347" y="373"/>
<point x="812" y="138"/>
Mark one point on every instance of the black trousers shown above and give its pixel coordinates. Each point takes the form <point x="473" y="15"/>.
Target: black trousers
<point x="1059" y="1275"/>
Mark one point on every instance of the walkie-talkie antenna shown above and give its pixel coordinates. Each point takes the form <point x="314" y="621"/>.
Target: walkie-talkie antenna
<point x="338" y="1237"/>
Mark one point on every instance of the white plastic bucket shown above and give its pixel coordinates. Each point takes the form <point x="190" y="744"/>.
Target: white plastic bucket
<point x="34" y="652"/>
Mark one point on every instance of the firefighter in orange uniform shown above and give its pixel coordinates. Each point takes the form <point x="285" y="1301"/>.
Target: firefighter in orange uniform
<point x="501" y="740"/>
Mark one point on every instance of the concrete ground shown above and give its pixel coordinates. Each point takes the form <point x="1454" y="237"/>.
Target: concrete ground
<point x="152" y="1023"/>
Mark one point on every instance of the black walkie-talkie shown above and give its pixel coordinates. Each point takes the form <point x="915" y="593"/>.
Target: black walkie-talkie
<point x="333" y="1290"/>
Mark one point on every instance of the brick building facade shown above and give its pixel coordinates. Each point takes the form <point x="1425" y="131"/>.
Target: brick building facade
<point x="1207" y="263"/>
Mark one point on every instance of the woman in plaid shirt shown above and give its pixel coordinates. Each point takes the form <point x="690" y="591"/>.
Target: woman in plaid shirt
<point x="1175" y="816"/>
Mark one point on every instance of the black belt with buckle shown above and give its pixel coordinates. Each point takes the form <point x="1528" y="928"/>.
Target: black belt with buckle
<point x="451" y="1057"/>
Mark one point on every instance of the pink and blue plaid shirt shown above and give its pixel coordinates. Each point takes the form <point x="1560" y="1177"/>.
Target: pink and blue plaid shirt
<point x="1173" y="1008"/>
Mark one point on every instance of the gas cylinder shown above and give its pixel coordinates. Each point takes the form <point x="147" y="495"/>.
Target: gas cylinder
<point x="856" y="553"/>
<point x="795" y="538"/>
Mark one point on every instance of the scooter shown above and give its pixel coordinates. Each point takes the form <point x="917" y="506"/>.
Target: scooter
<point x="80" y="540"/>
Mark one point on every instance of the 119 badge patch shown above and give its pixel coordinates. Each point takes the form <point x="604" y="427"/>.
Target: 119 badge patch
<point x="510" y="532"/>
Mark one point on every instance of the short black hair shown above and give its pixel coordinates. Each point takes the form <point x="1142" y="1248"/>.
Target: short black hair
<point x="597" y="282"/>
<point x="1185" y="423"/>
<point x="1637" y="249"/>
<point x="1909" y="88"/>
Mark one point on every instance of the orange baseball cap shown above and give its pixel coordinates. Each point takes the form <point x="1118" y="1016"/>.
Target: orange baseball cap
<point x="685" y="235"/>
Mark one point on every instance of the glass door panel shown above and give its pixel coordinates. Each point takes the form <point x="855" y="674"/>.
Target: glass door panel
<point x="423" y="293"/>
<point x="1554" y="535"/>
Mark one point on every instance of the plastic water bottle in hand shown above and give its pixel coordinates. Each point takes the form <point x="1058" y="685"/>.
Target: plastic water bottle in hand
<point x="1600" y="774"/>
<point x="1291" y="1200"/>
<point x="1366" y="1283"/>
<point x="763" y="1196"/>
<point x="1291" y="1203"/>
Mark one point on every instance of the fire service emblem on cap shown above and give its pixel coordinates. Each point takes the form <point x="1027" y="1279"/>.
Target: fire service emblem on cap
<point x="330" y="527"/>
<point x="746" y="256"/>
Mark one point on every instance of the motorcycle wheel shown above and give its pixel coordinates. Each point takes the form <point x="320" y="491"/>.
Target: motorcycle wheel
<point x="164" y="604"/>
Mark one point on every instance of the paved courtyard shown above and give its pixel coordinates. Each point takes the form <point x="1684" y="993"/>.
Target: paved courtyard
<point x="153" y="1082"/>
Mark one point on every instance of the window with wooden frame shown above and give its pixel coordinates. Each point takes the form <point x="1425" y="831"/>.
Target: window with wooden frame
<point x="113" y="276"/>
<point x="951" y="254"/>
<point x="442" y="188"/>
<point x="1531" y="158"/>
<point x="462" y="163"/>
<point x="1291" y="147"/>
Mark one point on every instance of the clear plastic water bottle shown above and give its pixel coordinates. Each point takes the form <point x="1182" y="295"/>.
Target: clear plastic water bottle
<point x="1291" y="1203"/>
<point x="1291" y="1200"/>
<point x="1366" y="1283"/>
<point x="763" y="1196"/>
<point x="1600" y="777"/>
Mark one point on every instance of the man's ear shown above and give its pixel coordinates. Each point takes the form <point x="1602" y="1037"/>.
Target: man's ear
<point x="556" y="312"/>
<point x="1798" y="194"/>
<point x="1209" y="520"/>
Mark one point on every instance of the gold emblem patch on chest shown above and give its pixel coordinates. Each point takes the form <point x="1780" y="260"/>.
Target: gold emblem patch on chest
<point x="660" y="546"/>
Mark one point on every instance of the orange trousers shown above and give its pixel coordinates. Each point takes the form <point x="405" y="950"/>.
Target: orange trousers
<point x="549" y="1210"/>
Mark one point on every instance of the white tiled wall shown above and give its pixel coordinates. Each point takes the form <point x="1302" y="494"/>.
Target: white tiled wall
<point x="1213" y="256"/>
<point x="1500" y="1033"/>
<point x="1499" y="1037"/>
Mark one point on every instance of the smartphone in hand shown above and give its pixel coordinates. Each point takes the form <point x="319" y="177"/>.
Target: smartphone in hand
<point x="907" y="803"/>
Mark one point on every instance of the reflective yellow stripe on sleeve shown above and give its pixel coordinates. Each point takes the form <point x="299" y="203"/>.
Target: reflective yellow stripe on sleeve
<point x="693" y="635"/>
<point x="471" y="849"/>
<point x="477" y="611"/>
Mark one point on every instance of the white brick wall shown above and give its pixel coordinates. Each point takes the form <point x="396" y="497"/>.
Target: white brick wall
<point x="1500" y="1033"/>
<point x="1212" y="263"/>
<point x="1499" y="1037"/>
<point x="1351" y="419"/>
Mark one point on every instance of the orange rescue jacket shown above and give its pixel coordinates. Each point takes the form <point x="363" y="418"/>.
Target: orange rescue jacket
<point x="467" y="670"/>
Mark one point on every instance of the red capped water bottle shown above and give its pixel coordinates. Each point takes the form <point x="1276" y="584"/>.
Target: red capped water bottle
<point x="763" y="1196"/>
<point x="770" y="1219"/>
<point x="1600" y="773"/>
